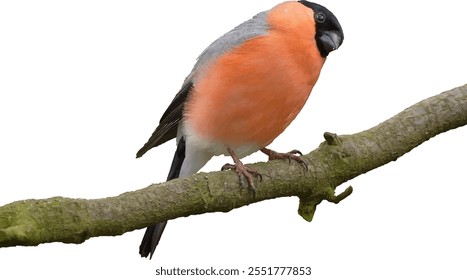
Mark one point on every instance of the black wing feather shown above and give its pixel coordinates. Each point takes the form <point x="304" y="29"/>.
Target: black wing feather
<point x="168" y="125"/>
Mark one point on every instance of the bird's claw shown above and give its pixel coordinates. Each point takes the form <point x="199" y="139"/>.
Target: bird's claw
<point x="244" y="172"/>
<point x="294" y="155"/>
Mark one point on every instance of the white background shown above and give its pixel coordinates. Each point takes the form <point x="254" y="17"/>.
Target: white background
<point x="84" y="83"/>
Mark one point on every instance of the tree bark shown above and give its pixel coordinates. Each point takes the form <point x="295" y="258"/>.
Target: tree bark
<point x="335" y="161"/>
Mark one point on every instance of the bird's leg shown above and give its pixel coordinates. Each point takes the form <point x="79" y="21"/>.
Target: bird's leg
<point x="292" y="155"/>
<point x="244" y="172"/>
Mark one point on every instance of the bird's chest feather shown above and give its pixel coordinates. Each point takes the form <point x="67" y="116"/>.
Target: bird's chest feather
<point x="251" y="94"/>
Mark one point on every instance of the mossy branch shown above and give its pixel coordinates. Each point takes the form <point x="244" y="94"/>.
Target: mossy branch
<point x="335" y="161"/>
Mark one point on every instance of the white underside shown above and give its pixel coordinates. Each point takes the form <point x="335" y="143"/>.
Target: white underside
<point x="200" y="150"/>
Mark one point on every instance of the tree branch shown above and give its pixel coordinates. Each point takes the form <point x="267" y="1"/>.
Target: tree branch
<point x="335" y="161"/>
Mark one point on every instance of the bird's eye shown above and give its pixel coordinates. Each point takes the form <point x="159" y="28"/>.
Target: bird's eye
<point x="320" y="17"/>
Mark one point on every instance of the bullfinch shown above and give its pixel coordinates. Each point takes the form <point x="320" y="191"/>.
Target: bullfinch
<point x="244" y="90"/>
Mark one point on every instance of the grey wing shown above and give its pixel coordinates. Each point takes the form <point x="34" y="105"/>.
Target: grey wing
<point x="254" y="27"/>
<point x="168" y="125"/>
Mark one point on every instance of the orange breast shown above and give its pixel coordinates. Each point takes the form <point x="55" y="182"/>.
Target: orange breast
<point x="251" y="94"/>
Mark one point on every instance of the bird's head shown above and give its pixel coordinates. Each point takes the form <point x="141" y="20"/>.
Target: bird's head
<point x="329" y="35"/>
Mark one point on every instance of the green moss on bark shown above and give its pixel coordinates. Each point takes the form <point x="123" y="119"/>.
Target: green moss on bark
<point x="335" y="161"/>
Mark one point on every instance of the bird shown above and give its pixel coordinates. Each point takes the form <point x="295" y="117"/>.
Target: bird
<point x="243" y="91"/>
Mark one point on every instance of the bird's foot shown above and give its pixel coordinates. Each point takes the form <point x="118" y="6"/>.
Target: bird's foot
<point x="244" y="172"/>
<point x="294" y="155"/>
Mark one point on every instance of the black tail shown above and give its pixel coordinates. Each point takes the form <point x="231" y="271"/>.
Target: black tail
<point x="153" y="233"/>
